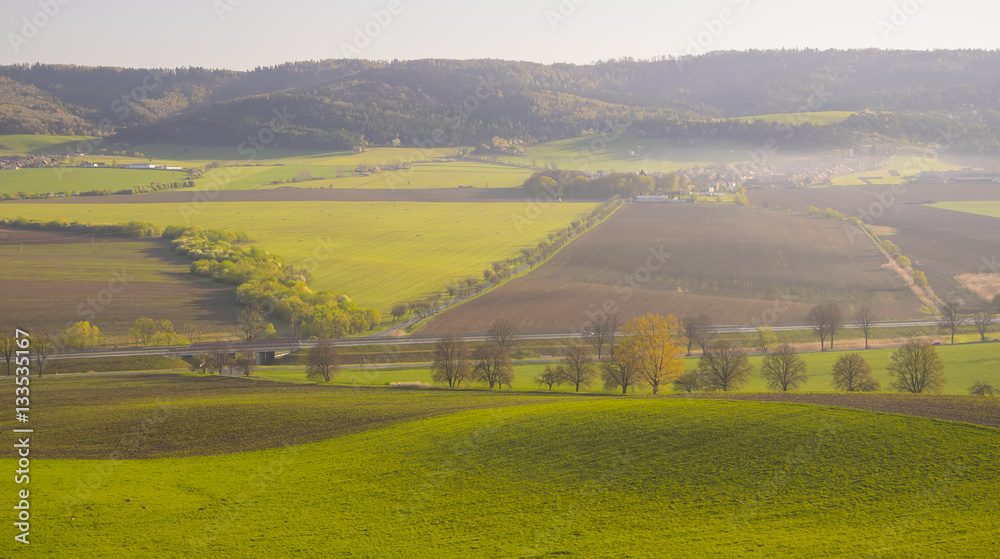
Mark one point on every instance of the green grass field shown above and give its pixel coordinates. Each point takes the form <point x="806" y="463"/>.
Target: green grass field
<point x="378" y="253"/>
<point x="24" y="144"/>
<point x="584" y="477"/>
<point x="615" y="152"/>
<point x="819" y="118"/>
<point x="989" y="208"/>
<point x="424" y="175"/>
<point x="73" y="179"/>
<point x="906" y="166"/>
<point x="965" y="364"/>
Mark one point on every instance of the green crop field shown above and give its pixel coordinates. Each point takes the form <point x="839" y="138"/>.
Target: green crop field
<point x="906" y="167"/>
<point x="819" y="118"/>
<point x="378" y="253"/>
<point x="965" y="364"/>
<point x="989" y="208"/>
<point x="626" y="152"/>
<point x="579" y="476"/>
<point x="423" y="175"/>
<point x="23" y="144"/>
<point x="75" y="179"/>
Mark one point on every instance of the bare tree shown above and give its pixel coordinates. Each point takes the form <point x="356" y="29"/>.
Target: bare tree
<point x="602" y="332"/>
<point x="451" y="361"/>
<point x="835" y="321"/>
<point x="504" y="333"/>
<point x="724" y="366"/>
<point x="817" y="319"/>
<point x="619" y="372"/>
<point x="578" y="367"/>
<point x="43" y="346"/>
<point x="783" y="369"/>
<point x="8" y="347"/>
<point x="982" y="389"/>
<point x="865" y="319"/>
<point x="688" y="382"/>
<point x="322" y="361"/>
<point x="916" y="367"/>
<point x="951" y="319"/>
<point x="698" y="330"/>
<point x="551" y="376"/>
<point x="851" y="373"/>
<point x="220" y="356"/>
<point x="826" y="320"/>
<point x="491" y="364"/>
<point x="245" y="362"/>
<point x="984" y="323"/>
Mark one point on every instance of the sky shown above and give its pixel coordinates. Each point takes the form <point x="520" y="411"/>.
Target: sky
<point x="242" y="34"/>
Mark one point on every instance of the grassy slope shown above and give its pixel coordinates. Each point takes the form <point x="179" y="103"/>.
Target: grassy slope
<point x="585" y="478"/>
<point x="964" y="365"/>
<point x="989" y="208"/>
<point x="379" y="253"/>
<point x="593" y="153"/>
<point x="23" y="144"/>
<point x="425" y="175"/>
<point x="71" y="179"/>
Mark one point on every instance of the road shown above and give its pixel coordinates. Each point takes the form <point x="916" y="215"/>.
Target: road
<point x="293" y="344"/>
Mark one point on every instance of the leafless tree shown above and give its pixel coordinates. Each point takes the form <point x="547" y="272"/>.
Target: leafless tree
<point x="724" y="366"/>
<point x="826" y="320"/>
<point x="8" y="347"/>
<point x="220" y="356"/>
<point x="245" y="362"/>
<point x="504" y="333"/>
<point x="865" y="319"/>
<point x="689" y="382"/>
<point x="43" y="346"/>
<point x="851" y="373"/>
<point x="491" y="364"/>
<point x="982" y="389"/>
<point x="916" y="367"/>
<point x="451" y="361"/>
<point x="578" y="367"/>
<point x="984" y="322"/>
<point x="951" y="319"/>
<point x="322" y="361"/>
<point x="698" y="330"/>
<point x="619" y="372"/>
<point x="551" y="376"/>
<point x="783" y="369"/>
<point x="602" y="332"/>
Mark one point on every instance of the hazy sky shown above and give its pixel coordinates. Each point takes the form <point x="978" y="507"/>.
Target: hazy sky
<point x="246" y="33"/>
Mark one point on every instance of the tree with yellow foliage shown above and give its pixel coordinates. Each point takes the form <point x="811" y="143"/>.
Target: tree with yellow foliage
<point x="655" y="345"/>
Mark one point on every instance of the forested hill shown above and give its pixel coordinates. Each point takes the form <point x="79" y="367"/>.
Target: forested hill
<point x="344" y="103"/>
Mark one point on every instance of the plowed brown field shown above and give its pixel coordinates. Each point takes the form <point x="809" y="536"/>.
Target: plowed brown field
<point x="738" y="265"/>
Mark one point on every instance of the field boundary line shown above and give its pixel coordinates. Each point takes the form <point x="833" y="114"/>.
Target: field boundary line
<point x="527" y="269"/>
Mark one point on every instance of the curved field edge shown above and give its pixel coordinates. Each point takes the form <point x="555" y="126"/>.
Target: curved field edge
<point x="588" y="478"/>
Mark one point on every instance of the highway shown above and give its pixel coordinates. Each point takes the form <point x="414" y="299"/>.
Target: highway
<point x="282" y="345"/>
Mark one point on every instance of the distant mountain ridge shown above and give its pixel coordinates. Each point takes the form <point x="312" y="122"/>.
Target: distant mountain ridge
<point x="340" y="104"/>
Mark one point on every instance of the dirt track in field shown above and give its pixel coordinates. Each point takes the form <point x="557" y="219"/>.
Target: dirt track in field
<point x="738" y="265"/>
<point x="968" y="409"/>
<point x="942" y="243"/>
